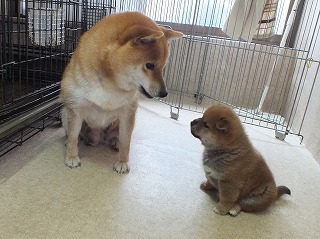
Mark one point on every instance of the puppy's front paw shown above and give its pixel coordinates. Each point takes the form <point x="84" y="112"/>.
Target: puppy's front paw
<point x="235" y="210"/>
<point x="121" y="167"/>
<point x="72" y="161"/>
<point x="224" y="209"/>
<point x="219" y="211"/>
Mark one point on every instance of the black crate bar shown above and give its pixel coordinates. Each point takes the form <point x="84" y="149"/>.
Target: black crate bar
<point x="37" y="38"/>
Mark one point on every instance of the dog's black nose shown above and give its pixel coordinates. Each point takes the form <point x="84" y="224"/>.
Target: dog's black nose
<point x="163" y="93"/>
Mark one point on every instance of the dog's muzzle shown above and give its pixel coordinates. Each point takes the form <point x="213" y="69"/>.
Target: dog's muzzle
<point x="144" y="92"/>
<point x="161" y="94"/>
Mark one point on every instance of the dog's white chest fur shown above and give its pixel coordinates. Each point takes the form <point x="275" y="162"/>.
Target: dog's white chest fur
<point x="99" y="106"/>
<point x="108" y="100"/>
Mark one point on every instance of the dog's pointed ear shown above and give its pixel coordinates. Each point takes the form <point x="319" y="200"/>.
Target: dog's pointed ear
<point x="140" y="35"/>
<point x="150" y="36"/>
<point x="223" y="125"/>
<point x="171" y="34"/>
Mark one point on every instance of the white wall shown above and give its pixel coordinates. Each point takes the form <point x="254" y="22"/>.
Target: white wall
<point x="308" y="109"/>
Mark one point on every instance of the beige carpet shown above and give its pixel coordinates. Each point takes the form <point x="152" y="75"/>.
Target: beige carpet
<point x="159" y="198"/>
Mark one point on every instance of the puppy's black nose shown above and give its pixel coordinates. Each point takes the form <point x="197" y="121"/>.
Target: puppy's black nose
<point x="193" y="122"/>
<point x="163" y="93"/>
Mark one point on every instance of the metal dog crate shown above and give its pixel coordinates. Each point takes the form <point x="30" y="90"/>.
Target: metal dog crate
<point x="262" y="79"/>
<point x="37" y="38"/>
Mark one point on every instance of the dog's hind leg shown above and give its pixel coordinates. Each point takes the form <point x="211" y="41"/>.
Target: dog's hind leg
<point x="206" y="185"/>
<point x="210" y="184"/>
<point x="259" y="199"/>
<point x="111" y="136"/>
<point x="92" y="136"/>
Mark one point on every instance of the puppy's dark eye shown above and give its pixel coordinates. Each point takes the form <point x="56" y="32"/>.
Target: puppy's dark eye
<point x="150" y="66"/>
<point x="205" y="125"/>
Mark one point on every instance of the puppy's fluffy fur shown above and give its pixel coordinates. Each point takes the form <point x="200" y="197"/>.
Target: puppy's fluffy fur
<point x="232" y="165"/>
<point x="121" y="55"/>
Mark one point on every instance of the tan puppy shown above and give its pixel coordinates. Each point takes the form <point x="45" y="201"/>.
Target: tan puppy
<point x="121" y="55"/>
<point x="232" y="165"/>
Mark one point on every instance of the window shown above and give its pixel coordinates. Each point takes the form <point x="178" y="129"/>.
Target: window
<point x="199" y="17"/>
<point x="210" y="13"/>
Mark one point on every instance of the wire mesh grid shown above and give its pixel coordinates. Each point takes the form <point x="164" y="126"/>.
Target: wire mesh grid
<point x="95" y="10"/>
<point x="46" y="26"/>
<point x="37" y="38"/>
<point x="261" y="70"/>
<point x="32" y="128"/>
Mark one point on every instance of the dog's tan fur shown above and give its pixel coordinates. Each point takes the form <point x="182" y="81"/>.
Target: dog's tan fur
<point x="120" y="55"/>
<point x="232" y="165"/>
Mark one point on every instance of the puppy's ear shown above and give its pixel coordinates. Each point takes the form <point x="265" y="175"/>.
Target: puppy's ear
<point x="171" y="34"/>
<point x="140" y="35"/>
<point x="223" y="125"/>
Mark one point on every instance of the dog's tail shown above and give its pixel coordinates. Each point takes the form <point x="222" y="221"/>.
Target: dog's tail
<point x="262" y="197"/>
<point x="283" y="190"/>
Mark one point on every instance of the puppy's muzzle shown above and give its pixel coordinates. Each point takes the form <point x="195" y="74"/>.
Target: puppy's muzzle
<point x="193" y="125"/>
<point x="194" y="122"/>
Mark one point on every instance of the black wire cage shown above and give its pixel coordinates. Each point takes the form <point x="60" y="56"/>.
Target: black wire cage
<point x="37" y="38"/>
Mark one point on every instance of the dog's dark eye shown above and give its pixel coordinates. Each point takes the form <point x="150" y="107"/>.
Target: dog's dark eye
<point x="205" y="125"/>
<point x="150" y="66"/>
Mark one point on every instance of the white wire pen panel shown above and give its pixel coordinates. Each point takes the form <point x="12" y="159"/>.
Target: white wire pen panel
<point x="258" y="56"/>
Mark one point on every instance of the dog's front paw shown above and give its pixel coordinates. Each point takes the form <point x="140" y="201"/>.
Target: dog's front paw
<point x="72" y="161"/>
<point x="121" y="167"/>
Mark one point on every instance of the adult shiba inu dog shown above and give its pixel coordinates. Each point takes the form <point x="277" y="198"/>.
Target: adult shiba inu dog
<point x="121" y="55"/>
<point x="232" y="165"/>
